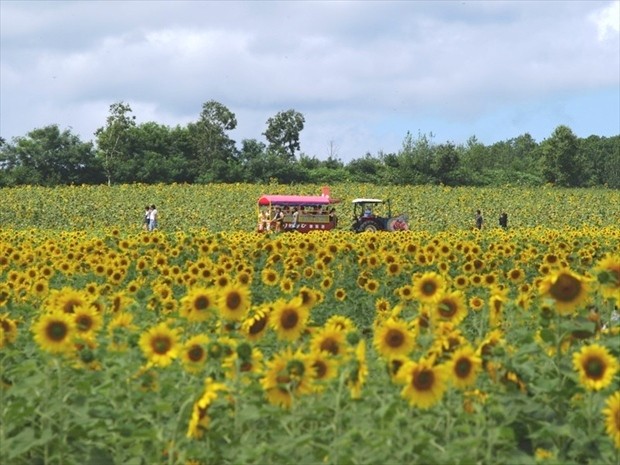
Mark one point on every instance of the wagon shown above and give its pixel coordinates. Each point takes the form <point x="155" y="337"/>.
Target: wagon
<point x="301" y="213"/>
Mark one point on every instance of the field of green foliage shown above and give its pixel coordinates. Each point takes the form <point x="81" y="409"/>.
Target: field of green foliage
<point x="222" y="207"/>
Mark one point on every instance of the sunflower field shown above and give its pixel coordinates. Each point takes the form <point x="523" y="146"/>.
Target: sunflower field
<point x="204" y="342"/>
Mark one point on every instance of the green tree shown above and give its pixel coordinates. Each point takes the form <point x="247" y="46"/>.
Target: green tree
<point x="446" y="163"/>
<point x="283" y="132"/>
<point x="48" y="156"/>
<point x="113" y="141"/>
<point x="158" y="154"/>
<point x="215" y="155"/>
<point x="561" y="164"/>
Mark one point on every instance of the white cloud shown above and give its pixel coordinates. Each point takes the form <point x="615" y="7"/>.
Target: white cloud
<point x="607" y="21"/>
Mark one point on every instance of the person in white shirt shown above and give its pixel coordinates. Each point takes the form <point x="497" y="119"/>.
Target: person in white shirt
<point x="153" y="218"/>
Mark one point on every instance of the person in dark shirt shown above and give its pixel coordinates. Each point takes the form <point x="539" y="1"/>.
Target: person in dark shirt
<point x="503" y="220"/>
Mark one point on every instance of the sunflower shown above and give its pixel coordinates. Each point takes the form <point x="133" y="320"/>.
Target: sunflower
<point x="120" y="329"/>
<point x="328" y="340"/>
<point x="160" y="345"/>
<point x="199" y="421"/>
<point x="67" y="299"/>
<point x="372" y="286"/>
<point x="612" y="417"/>
<point x="393" y="338"/>
<point x="358" y="371"/>
<point x="8" y="330"/>
<point x="199" y="304"/>
<point x="323" y="368"/>
<point x="340" y="323"/>
<point x="464" y="367"/>
<point x="309" y="297"/>
<point x="87" y="322"/>
<point x="287" y="285"/>
<point x="340" y="294"/>
<point x="424" y="382"/>
<point x="194" y="353"/>
<point x="405" y="292"/>
<point x="270" y="277"/>
<point x="54" y="332"/>
<point x="461" y="281"/>
<point x="255" y="326"/>
<point x="247" y="361"/>
<point x="450" y="307"/>
<point x="289" y="318"/>
<point x="476" y="303"/>
<point x="287" y="375"/>
<point x="496" y="309"/>
<point x="567" y="289"/>
<point x="609" y="276"/>
<point x="596" y="366"/>
<point x="234" y="302"/>
<point x="516" y="275"/>
<point x="428" y="286"/>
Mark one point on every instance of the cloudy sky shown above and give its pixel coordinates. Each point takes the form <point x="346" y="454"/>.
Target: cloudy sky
<point x="362" y="73"/>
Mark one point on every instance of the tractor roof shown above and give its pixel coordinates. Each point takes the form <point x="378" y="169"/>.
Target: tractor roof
<point x="367" y="201"/>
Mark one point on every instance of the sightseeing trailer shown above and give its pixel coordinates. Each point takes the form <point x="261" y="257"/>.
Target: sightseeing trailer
<point x="302" y="213"/>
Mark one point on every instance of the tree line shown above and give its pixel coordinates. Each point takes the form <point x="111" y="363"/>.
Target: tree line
<point x="203" y="152"/>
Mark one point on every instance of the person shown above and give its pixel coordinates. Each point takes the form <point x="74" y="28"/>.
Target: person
<point x="145" y="221"/>
<point x="503" y="220"/>
<point x="278" y="219"/>
<point x="264" y="224"/>
<point x="367" y="212"/>
<point x="479" y="219"/>
<point x="295" y="217"/>
<point x="153" y="218"/>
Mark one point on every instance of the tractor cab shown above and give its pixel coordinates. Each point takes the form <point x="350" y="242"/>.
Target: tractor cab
<point x="376" y="215"/>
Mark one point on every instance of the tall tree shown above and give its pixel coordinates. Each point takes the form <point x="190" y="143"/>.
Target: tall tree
<point x="113" y="140"/>
<point x="561" y="164"/>
<point x="283" y="132"/>
<point x="215" y="153"/>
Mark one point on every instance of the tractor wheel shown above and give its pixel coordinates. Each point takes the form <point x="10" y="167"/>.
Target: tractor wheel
<point x="370" y="226"/>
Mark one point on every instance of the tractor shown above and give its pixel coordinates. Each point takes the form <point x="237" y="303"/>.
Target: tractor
<point x="376" y="215"/>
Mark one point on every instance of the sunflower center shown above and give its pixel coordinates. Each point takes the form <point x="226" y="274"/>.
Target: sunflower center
<point x="57" y="331"/>
<point x="289" y="319"/>
<point x="195" y="353"/>
<point x="594" y="368"/>
<point x="330" y="345"/>
<point x="258" y="325"/>
<point x="462" y="367"/>
<point x="423" y="381"/>
<point x="566" y="288"/>
<point x="233" y="301"/>
<point x="201" y="303"/>
<point x="161" y="344"/>
<point x="69" y="306"/>
<point x="394" y="338"/>
<point x="84" y="322"/>
<point x="429" y="288"/>
<point x="447" y="308"/>
<point x="320" y="369"/>
<point x="296" y="368"/>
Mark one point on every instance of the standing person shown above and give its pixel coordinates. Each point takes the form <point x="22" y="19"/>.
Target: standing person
<point x="147" y="218"/>
<point x="295" y="217"/>
<point x="479" y="219"/>
<point x="503" y="220"/>
<point x="153" y="218"/>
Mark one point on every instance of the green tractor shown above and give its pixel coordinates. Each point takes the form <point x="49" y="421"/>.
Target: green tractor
<point x="376" y="215"/>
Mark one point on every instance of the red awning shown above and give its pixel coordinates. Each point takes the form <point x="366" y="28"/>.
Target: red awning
<point x="300" y="200"/>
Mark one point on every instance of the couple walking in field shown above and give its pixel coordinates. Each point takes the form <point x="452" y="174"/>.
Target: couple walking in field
<point x="150" y="218"/>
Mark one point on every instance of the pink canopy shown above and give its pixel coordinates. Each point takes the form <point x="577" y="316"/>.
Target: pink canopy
<point x="288" y="200"/>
